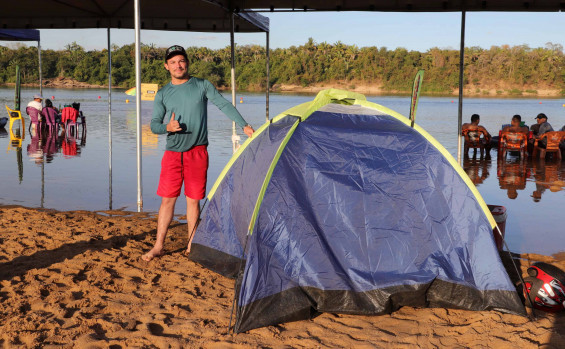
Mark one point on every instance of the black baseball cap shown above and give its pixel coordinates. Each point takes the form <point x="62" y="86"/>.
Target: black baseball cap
<point x="175" y="50"/>
<point x="541" y="116"/>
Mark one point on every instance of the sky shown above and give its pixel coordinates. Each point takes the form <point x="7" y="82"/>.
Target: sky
<point x="412" y="31"/>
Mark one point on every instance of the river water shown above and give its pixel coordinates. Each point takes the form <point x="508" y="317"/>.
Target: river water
<point x="73" y="173"/>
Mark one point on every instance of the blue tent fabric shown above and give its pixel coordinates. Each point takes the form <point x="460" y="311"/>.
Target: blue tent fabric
<point x="19" y="34"/>
<point x="362" y="215"/>
<point x="221" y="247"/>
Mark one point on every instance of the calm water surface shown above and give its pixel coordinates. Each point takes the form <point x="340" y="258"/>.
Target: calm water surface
<point x="70" y="174"/>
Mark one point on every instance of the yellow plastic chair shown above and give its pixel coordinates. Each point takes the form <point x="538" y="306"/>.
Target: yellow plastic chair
<point x="15" y="115"/>
<point x="15" y="142"/>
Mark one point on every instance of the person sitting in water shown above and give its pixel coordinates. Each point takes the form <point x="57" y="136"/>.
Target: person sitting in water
<point x="50" y="113"/>
<point x="472" y="133"/>
<point x="81" y="119"/>
<point x="515" y="126"/>
<point x="543" y="127"/>
<point x="511" y="137"/>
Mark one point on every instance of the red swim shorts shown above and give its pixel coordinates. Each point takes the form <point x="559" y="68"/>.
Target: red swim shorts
<point x="189" y="166"/>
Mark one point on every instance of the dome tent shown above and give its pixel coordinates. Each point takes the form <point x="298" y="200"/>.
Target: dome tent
<point x="338" y="205"/>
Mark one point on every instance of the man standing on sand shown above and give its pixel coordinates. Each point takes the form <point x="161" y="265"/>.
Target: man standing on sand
<point x="183" y="102"/>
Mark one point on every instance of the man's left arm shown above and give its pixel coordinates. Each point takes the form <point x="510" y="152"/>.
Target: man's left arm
<point x="487" y="135"/>
<point x="227" y="108"/>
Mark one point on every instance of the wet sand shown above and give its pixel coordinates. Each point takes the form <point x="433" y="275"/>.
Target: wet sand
<point x="75" y="279"/>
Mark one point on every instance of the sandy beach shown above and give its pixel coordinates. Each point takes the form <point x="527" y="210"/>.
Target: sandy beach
<point x="75" y="279"/>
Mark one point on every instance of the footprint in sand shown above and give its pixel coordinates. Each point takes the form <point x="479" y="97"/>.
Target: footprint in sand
<point x="158" y="330"/>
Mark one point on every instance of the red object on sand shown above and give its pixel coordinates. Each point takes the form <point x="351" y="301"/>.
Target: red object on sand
<point x="499" y="214"/>
<point x="545" y="287"/>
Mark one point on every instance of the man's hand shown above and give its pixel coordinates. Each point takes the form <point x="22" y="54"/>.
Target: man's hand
<point x="248" y="130"/>
<point x="173" y="125"/>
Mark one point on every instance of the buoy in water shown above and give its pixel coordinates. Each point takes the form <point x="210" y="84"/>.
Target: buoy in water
<point x="127" y="100"/>
<point x="240" y="99"/>
<point x="99" y="97"/>
<point x="539" y="102"/>
<point x="53" y="98"/>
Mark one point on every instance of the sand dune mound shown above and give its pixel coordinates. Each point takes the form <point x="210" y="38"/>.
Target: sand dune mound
<point x="75" y="279"/>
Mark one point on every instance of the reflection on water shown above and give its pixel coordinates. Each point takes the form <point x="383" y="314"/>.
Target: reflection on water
<point x="59" y="171"/>
<point x="477" y="170"/>
<point x="17" y="134"/>
<point x="532" y="191"/>
<point x="513" y="174"/>
<point x="149" y="140"/>
<point x="44" y="145"/>
<point x="548" y="175"/>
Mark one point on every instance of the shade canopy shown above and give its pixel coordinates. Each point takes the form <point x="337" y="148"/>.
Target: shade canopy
<point x="182" y="15"/>
<point x="398" y="5"/>
<point x="19" y="35"/>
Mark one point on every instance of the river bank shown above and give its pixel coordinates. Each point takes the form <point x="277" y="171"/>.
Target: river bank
<point x="469" y="90"/>
<point x="494" y="91"/>
<point x="75" y="279"/>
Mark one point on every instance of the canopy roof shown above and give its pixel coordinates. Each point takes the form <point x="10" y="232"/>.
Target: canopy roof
<point x="182" y="15"/>
<point x="399" y="5"/>
<point x="19" y="34"/>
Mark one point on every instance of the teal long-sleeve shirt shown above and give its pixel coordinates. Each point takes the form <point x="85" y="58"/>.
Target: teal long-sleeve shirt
<point x="189" y="102"/>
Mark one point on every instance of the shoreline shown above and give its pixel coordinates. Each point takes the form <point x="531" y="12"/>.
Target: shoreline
<point x="470" y="91"/>
<point x="75" y="278"/>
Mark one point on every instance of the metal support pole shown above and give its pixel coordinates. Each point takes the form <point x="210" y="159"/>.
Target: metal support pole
<point x="138" y="103"/>
<point x="268" y="77"/>
<point x="40" y="74"/>
<point x="461" y="68"/>
<point x="232" y="44"/>
<point x="42" y="178"/>
<point x="235" y="138"/>
<point x="109" y="122"/>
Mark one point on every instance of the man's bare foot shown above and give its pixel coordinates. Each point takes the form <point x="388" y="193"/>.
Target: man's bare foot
<point x="187" y="251"/>
<point x="152" y="254"/>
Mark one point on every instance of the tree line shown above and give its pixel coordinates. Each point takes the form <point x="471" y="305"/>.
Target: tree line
<point x="512" y="68"/>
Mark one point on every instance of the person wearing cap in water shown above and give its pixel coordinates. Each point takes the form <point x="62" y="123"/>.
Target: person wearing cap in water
<point x="182" y="104"/>
<point x="35" y="113"/>
<point x="543" y="127"/>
